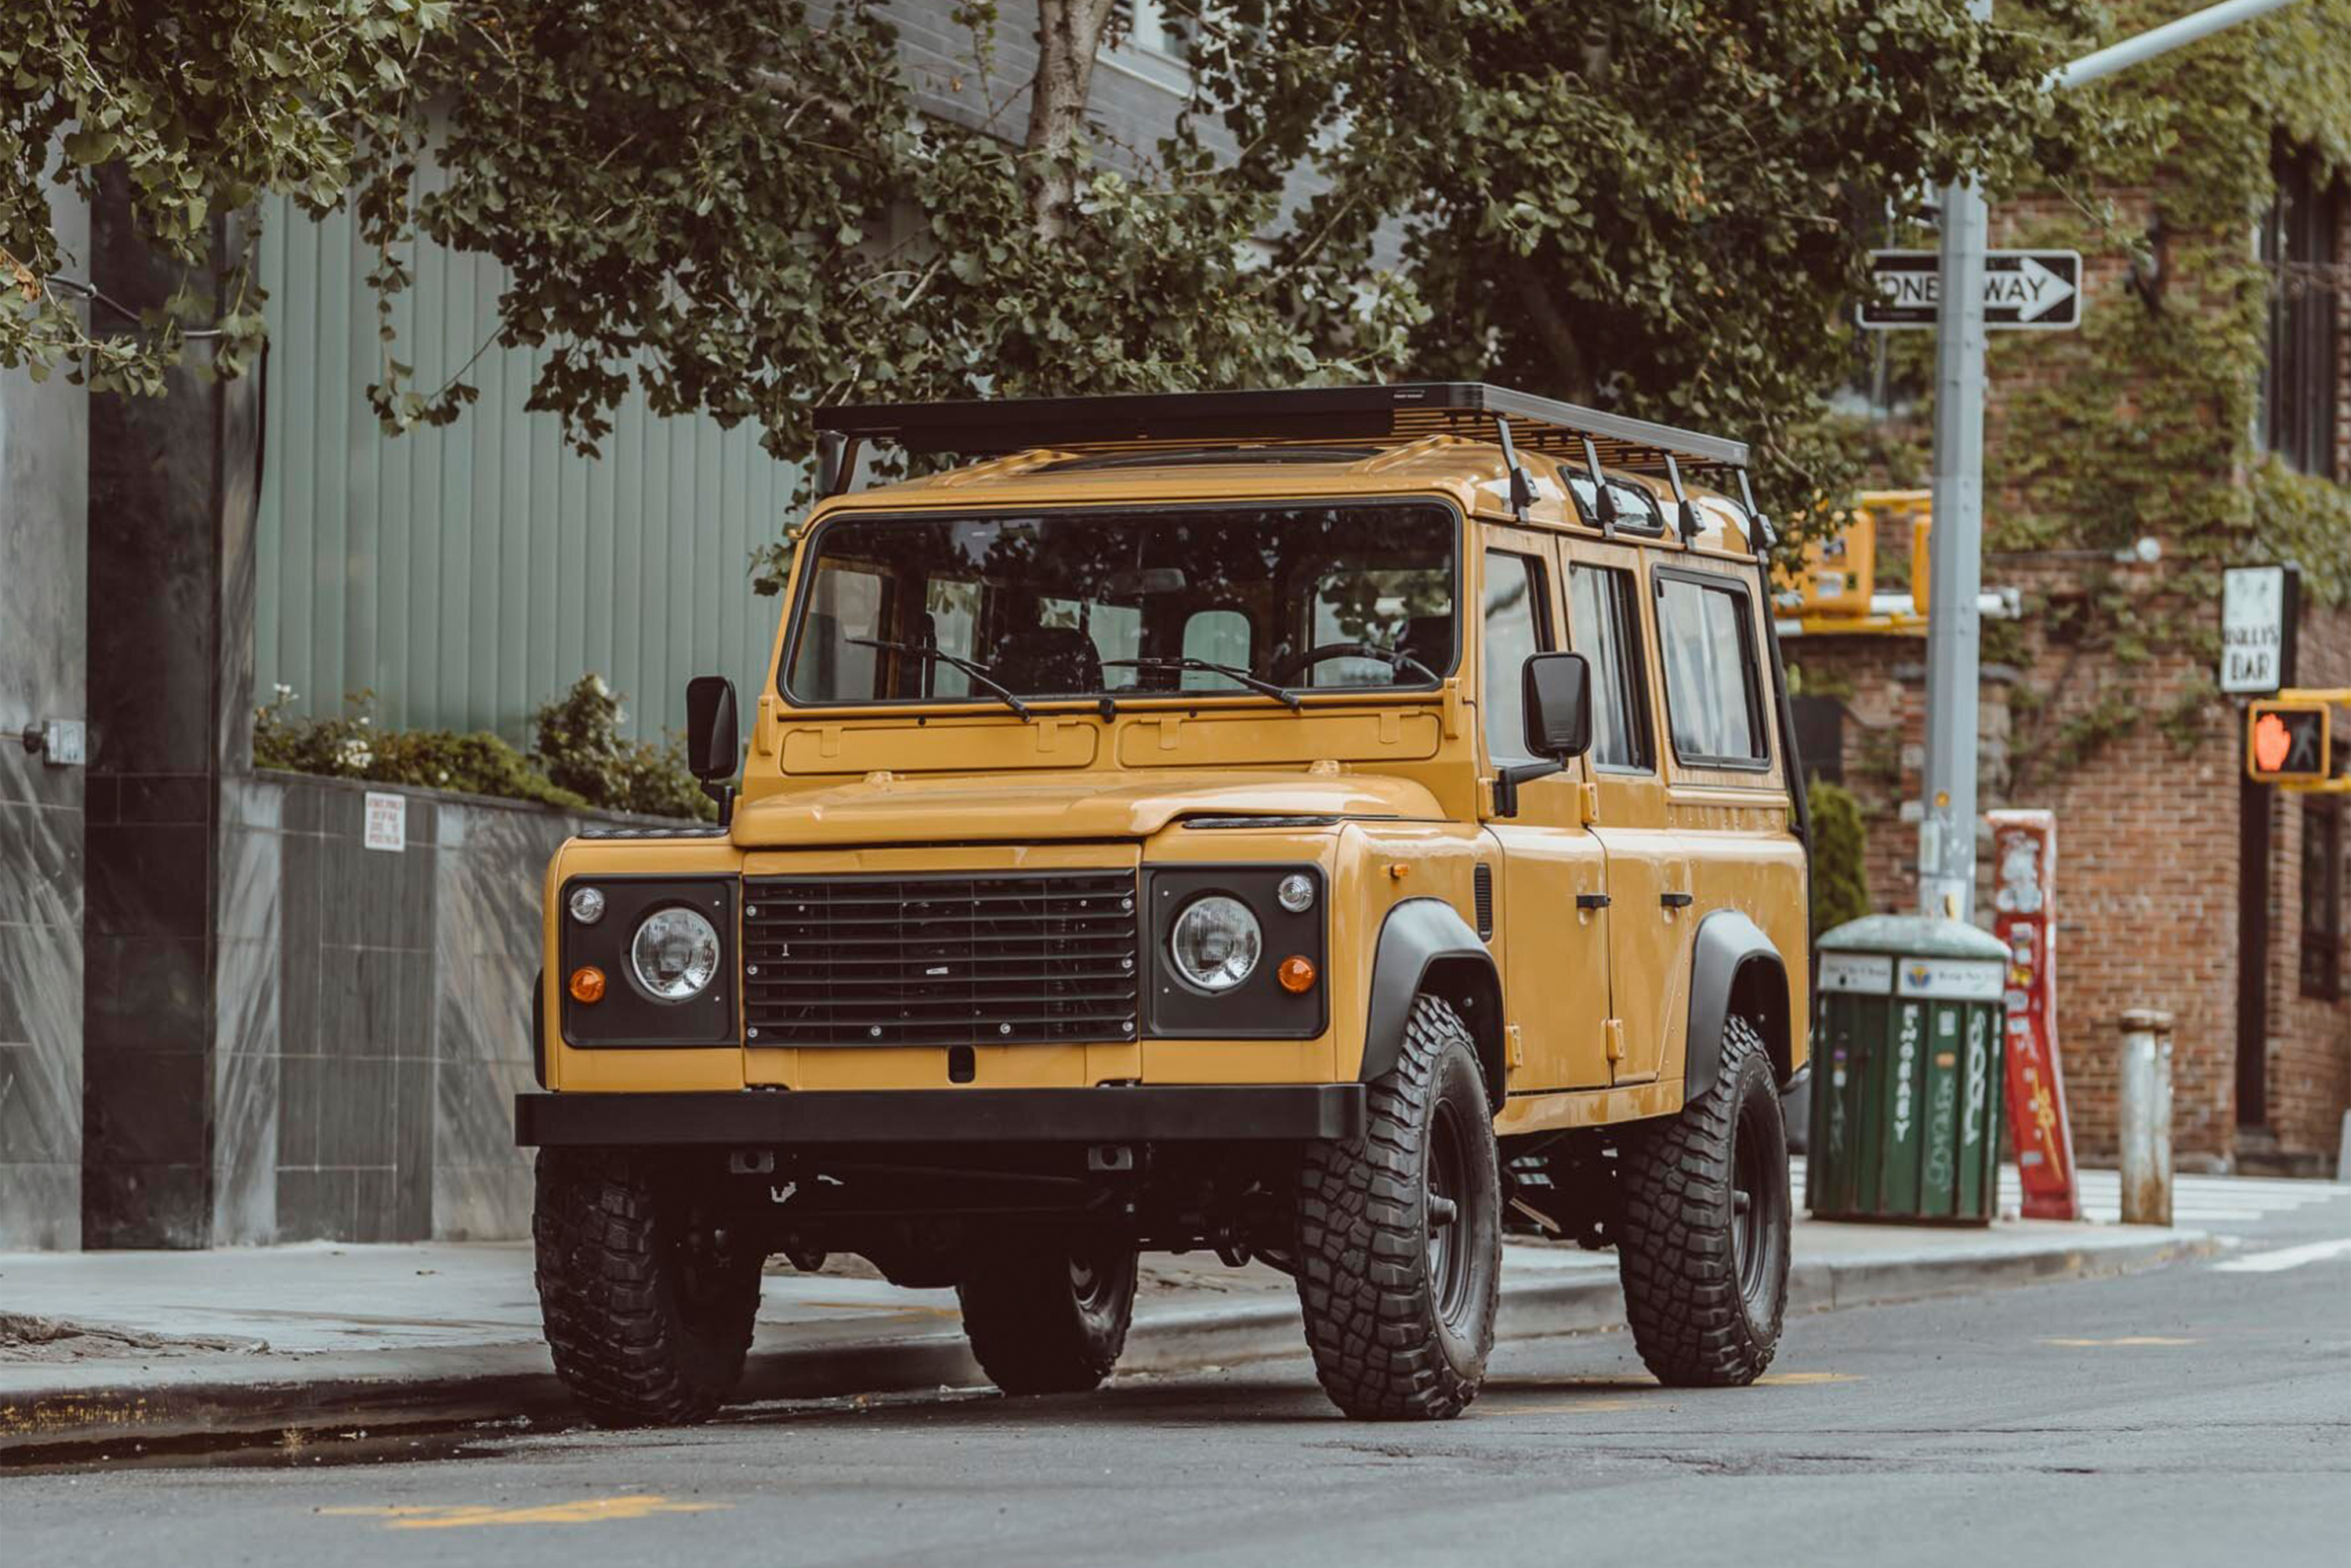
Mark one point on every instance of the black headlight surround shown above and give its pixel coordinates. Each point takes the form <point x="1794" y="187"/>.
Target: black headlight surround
<point x="627" y="1018"/>
<point x="1256" y="1008"/>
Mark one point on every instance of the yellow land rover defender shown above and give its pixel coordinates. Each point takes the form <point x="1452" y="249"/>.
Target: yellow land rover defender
<point x="1332" y="827"/>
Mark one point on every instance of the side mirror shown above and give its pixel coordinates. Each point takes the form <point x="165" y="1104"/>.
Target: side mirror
<point x="1556" y="691"/>
<point x="1558" y="696"/>
<point x="712" y="739"/>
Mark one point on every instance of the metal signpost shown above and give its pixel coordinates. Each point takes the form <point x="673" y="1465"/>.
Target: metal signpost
<point x="1947" y="830"/>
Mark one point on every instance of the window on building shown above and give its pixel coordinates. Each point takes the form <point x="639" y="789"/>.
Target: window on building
<point x="2301" y="246"/>
<point x="1713" y="697"/>
<point x="2322" y="900"/>
<point x="1604" y="626"/>
<point x="1518" y="622"/>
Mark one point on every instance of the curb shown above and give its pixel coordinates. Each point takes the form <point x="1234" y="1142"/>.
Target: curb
<point x="509" y="1382"/>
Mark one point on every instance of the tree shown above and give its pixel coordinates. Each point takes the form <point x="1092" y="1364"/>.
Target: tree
<point x="1658" y="206"/>
<point x="1655" y="206"/>
<point x="201" y="105"/>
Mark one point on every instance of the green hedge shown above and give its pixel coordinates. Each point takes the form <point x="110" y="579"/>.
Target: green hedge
<point x="1840" y="857"/>
<point x="578" y="756"/>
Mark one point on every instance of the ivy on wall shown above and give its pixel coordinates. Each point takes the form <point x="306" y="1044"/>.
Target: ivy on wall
<point x="2144" y="422"/>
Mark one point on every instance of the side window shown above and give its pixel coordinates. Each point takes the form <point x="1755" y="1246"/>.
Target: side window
<point x="1714" y="701"/>
<point x="1605" y="627"/>
<point x="846" y="601"/>
<point x="1221" y="637"/>
<point x="1518" y="622"/>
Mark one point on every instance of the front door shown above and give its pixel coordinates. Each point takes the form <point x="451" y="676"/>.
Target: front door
<point x="1650" y="918"/>
<point x="1551" y="928"/>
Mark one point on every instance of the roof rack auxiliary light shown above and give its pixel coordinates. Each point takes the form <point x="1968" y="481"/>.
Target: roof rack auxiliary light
<point x="1522" y="492"/>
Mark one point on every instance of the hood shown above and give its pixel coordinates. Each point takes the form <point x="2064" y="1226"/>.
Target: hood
<point x="1089" y="806"/>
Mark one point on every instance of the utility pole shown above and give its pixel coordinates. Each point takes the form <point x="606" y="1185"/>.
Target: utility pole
<point x="1946" y="823"/>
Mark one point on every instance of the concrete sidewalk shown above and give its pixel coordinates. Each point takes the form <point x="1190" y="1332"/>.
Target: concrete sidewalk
<point x="119" y="1352"/>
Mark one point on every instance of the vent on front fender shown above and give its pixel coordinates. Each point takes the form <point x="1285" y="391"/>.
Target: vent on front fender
<point x="940" y="960"/>
<point x="1482" y="889"/>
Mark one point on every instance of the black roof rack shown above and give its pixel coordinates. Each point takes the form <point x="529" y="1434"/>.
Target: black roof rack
<point x="1379" y="416"/>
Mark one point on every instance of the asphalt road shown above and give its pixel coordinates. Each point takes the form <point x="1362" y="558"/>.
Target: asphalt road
<point x="2197" y="1415"/>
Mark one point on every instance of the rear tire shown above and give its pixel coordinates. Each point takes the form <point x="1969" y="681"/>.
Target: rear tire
<point x="1050" y="1321"/>
<point x="648" y="1299"/>
<point x="1704" y="1247"/>
<point x="1399" y="1294"/>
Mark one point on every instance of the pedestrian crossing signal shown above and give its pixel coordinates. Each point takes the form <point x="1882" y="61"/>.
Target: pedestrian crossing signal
<point x="2286" y="742"/>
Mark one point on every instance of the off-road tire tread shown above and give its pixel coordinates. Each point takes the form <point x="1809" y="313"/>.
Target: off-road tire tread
<point x="1027" y="1334"/>
<point x="1674" y="1251"/>
<point x="615" y="1343"/>
<point x="1369" y="1321"/>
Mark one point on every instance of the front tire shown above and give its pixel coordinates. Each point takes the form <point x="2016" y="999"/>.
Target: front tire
<point x="648" y="1298"/>
<point x="1050" y="1321"/>
<point x="1704" y="1247"/>
<point x="1400" y="1235"/>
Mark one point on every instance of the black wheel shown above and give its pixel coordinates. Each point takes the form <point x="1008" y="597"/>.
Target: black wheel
<point x="1050" y="1321"/>
<point x="1400" y="1235"/>
<point x="648" y="1297"/>
<point x="1704" y="1247"/>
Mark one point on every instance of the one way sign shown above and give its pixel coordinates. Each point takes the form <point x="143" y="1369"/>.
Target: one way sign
<point x="2027" y="290"/>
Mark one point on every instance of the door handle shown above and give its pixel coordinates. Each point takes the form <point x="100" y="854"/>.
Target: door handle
<point x="1592" y="901"/>
<point x="1677" y="900"/>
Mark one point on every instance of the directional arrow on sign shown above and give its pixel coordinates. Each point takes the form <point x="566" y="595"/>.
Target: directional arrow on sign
<point x="2034" y="290"/>
<point x="2038" y="290"/>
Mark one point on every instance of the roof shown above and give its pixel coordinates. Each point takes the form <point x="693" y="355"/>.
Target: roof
<point x="1377" y="416"/>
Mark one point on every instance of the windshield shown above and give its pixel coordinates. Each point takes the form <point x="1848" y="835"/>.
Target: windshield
<point x="1120" y="602"/>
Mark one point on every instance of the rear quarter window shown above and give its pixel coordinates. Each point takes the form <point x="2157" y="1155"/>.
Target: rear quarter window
<point x="1714" y="691"/>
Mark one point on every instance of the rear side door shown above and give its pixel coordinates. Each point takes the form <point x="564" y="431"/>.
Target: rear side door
<point x="1552" y="926"/>
<point x="1648" y="868"/>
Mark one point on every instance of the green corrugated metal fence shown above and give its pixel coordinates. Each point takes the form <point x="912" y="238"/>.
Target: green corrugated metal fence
<point x="468" y="573"/>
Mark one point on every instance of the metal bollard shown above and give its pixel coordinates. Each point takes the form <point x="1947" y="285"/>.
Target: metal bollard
<point x="2143" y="1096"/>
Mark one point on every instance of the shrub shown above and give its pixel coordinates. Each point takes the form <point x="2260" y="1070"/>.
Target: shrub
<point x="579" y="744"/>
<point x="351" y="746"/>
<point x="1840" y="857"/>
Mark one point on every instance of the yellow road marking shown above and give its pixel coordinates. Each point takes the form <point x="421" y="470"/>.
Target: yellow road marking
<point x="587" y="1510"/>
<point x="890" y="1309"/>
<point x="2124" y="1340"/>
<point x="1799" y="1379"/>
<point x="1580" y="1407"/>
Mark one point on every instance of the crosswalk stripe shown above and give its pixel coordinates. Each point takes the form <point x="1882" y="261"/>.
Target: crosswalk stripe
<point x="2283" y="1257"/>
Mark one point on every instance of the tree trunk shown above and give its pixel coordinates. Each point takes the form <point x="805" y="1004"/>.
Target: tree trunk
<point x="1552" y="330"/>
<point x="1067" y="34"/>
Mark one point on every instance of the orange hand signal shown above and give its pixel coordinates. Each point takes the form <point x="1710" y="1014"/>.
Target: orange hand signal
<point x="2272" y="743"/>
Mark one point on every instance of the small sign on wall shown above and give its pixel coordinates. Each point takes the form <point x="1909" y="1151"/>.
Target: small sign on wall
<point x="387" y="821"/>
<point x="2259" y="605"/>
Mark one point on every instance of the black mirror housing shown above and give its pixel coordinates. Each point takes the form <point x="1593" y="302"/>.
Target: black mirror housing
<point x="1558" y="696"/>
<point x="713" y="737"/>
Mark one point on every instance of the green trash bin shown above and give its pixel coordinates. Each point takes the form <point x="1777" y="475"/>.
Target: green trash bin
<point x="1906" y="1071"/>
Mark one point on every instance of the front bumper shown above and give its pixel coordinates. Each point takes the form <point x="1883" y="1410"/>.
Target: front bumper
<point x="834" y="1117"/>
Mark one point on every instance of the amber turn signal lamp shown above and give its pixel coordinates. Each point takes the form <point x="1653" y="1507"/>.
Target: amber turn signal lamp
<point x="1296" y="973"/>
<point x="587" y="984"/>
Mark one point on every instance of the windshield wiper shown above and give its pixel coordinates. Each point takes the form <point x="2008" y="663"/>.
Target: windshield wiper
<point x="976" y="671"/>
<point x="1396" y="659"/>
<point x="1230" y="672"/>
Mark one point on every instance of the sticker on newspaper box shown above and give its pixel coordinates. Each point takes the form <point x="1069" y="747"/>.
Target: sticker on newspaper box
<point x="1870" y="972"/>
<point x="1951" y="979"/>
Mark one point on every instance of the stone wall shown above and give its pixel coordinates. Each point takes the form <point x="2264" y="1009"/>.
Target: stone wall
<point x="375" y="1013"/>
<point x="44" y="490"/>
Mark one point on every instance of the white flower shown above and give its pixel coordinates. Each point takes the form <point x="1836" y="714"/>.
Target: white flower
<point x="355" y="755"/>
<point x="285" y="692"/>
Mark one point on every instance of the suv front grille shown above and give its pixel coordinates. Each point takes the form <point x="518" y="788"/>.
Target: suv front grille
<point x="940" y="960"/>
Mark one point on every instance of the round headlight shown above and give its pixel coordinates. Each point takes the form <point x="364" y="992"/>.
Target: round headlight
<point x="587" y="905"/>
<point x="674" y="954"/>
<point x="1296" y="892"/>
<point x="1215" y="942"/>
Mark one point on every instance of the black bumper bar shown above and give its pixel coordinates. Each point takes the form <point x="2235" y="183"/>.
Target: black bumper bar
<point x="831" y="1117"/>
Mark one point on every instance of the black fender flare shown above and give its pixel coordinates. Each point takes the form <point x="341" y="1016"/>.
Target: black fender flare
<point x="1424" y="944"/>
<point x="1732" y="958"/>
